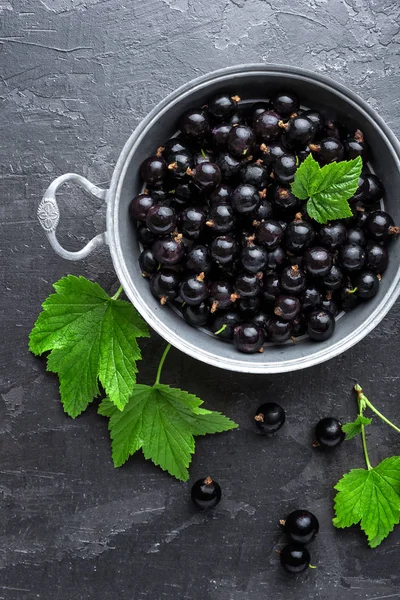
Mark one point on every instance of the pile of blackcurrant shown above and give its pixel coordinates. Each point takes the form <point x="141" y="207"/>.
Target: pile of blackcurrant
<point x="227" y="243"/>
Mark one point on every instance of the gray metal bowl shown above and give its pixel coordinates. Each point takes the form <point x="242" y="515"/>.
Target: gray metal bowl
<point x="252" y="82"/>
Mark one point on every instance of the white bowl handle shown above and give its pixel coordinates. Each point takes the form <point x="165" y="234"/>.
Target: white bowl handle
<point x="49" y="215"/>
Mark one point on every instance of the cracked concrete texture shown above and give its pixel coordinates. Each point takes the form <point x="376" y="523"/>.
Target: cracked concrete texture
<point x="75" y="78"/>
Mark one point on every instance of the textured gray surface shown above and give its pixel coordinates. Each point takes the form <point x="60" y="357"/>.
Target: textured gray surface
<point x="75" y="79"/>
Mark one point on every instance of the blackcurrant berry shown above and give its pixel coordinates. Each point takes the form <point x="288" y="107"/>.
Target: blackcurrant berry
<point x="241" y="140"/>
<point x="194" y="289"/>
<point x="276" y="259"/>
<point x="377" y="257"/>
<point x="295" y="558"/>
<point x="206" y="493"/>
<point x="367" y="284"/>
<point x="195" y="124"/>
<point x="145" y="236"/>
<point x="140" y="205"/>
<point x="223" y="249"/>
<point x="198" y="260"/>
<point x="362" y="191"/>
<point x="271" y="287"/>
<point x="320" y="325"/>
<point x="148" y="263"/>
<point x="310" y="298"/>
<point x="293" y="280"/>
<point x="245" y="199"/>
<point x="329" y="433"/>
<point x="284" y="200"/>
<point x="248" y="338"/>
<point x="223" y="106"/>
<point x="269" y="234"/>
<point x="173" y="146"/>
<point x="355" y="235"/>
<point x="375" y="189"/>
<point x="356" y="146"/>
<point x="333" y="235"/>
<point x="197" y="316"/>
<point x="285" y="168"/>
<point x="380" y="226"/>
<point x="161" y="219"/>
<point x="224" y="324"/>
<point x="352" y="257"/>
<point x="222" y="296"/>
<point x="269" y="418"/>
<point x="272" y="151"/>
<point x="266" y="126"/>
<point x="285" y="103"/>
<point x="278" y="330"/>
<point x="249" y="307"/>
<point x="247" y="285"/>
<point x="168" y="251"/>
<point x="299" y="326"/>
<point x="287" y="307"/>
<point x="221" y="219"/>
<point x="164" y="284"/>
<point x="317" y="261"/>
<point x="330" y="305"/>
<point x="253" y="258"/>
<point x="202" y="157"/>
<point x="261" y="319"/>
<point x="255" y="174"/>
<point x="228" y="164"/>
<point x="301" y="526"/>
<point x="180" y="164"/>
<point x="333" y="280"/>
<point x="220" y="134"/>
<point x="348" y="298"/>
<point x="207" y="176"/>
<point x="298" y="235"/>
<point x="328" y="150"/>
<point x="221" y="195"/>
<point x="192" y="221"/>
<point x="153" y="170"/>
<point x="257" y="109"/>
<point x="316" y="118"/>
<point x="300" y="131"/>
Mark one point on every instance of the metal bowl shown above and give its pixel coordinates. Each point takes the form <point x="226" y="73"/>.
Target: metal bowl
<point x="250" y="82"/>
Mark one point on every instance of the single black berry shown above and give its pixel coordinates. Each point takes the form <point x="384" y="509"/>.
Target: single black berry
<point x="206" y="493"/>
<point x="221" y="219"/>
<point x="195" y="124"/>
<point x="241" y="140"/>
<point x="285" y="103"/>
<point x="147" y="262"/>
<point x="301" y="526"/>
<point x="161" y="219"/>
<point x="245" y="199"/>
<point x="153" y="170"/>
<point x="248" y="338"/>
<point x="333" y="235"/>
<point x="223" y="249"/>
<point x="377" y="257"/>
<point x="352" y="257"/>
<point x="328" y="150"/>
<point x="285" y="168"/>
<point x="380" y="226"/>
<point x="247" y="285"/>
<point x="253" y="258"/>
<point x="224" y="323"/>
<point x="295" y="558"/>
<point x="367" y="284"/>
<point x="278" y="331"/>
<point x="255" y="174"/>
<point x="317" y="261"/>
<point x="207" y="176"/>
<point x="140" y="205"/>
<point x="197" y="315"/>
<point x="269" y="234"/>
<point x="287" y="307"/>
<point x="198" y="260"/>
<point x="269" y="417"/>
<point x="223" y="106"/>
<point x="320" y="325"/>
<point x="293" y="280"/>
<point x="266" y="126"/>
<point x="329" y="433"/>
<point x="168" y="251"/>
<point x="194" y="289"/>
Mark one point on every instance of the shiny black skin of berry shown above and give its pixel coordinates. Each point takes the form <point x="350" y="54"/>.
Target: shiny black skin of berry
<point x="183" y="190"/>
<point x="255" y="174"/>
<point x="248" y="338"/>
<point x="263" y="212"/>
<point x="317" y="261"/>
<point x="333" y="280"/>
<point x="317" y="119"/>
<point x="330" y="305"/>
<point x="238" y="118"/>
<point x="205" y="494"/>
<point x="195" y="124"/>
<point x="269" y="234"/>
<point x="241" y="140"/>
<point x="173" y="146"/>
<point x="320" y="325"/>
<point x="145" y="236"/>
<point x="248" y="285"/>
<point x="229" y="320"/>
<point x="207" y="176"/>
<point x="223" y="249"/>
<point x="269" y="418"/>
<point x="336" y="130"/>
<point x="300" y="131"/>
<point x="222" y="106"/>
<point x="287" y="307"/>
<point x="375" y="189"/>
<point x="266" y="126"/>
<point x="221" y="195"/>
<point x="277" y="259"/>
<point x="348" y="298"/>
<point x="377" y="257"/>
<point x="271" y="287"/>
<point x="285" y="168"/>
<point x="249" y="307"/>
<point x="194" y="290"/>
<point x="283" y="200"/>
<point x="301" y="526"/>
<point x="192" y="220"/>
<point x="257" y="109"/>
<point x="310" y="298"/>
<point x="228" y="164"/>
<point x="164" y="284"/>
<point x="168" y="251"/>
<point x="361" y="193"/>
<point x="198" y="260"/>
<point x="159" y="194"/>
<point x="293" y="280"/>
<point x="140" y="205"/>
<point x="329" y="433"/>
<point x="153" y="170"/>
<point x="379" y="226"/>
<point x="285" y="103"/>
<point x="245" y="199"/>
<point x="220" y="134"/>
<point x="181" y="161"/>
<point x="354" y="148"/>
<point x="161" y="219"/>
<point x="272" y="151"/>
<point x="147" y="262"/>
<point x="355" y="235"/>
<point x="333" y="235"/>
<point x="222" y="295"/>
<point x="352" y="257"/>
<point x="202" y="157"/>
<point x="303" y="154"/>
<point x="197" y="315"/>
<point x="299" y="326"/>
<point x="367" y="284"/>
<point x="221" y="219"/>
<point x="261" y="319"/>
<point x="253" y="258"/>
<point x="295" y="558"/>
<point x="328" y="150"/>
<point x="360" y="218"/>
<point x="278" y="330"/>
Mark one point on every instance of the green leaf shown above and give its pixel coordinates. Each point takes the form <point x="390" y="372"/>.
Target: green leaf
<point x="371" y="498"/>
<point x="305" y="176"/>
<point x="354" y="428"/>
<point x="328" y="210"/>
<point x="92" y="338"/>
<point x="161" y="421"/>
<point x="338" y="180"/>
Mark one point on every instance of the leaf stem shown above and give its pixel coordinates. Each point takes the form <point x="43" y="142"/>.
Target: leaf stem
<point x="160" y="366"/>
<point x="117" y="293"/>
<point x="361" y="406"/>
<point x="366" y="402"/>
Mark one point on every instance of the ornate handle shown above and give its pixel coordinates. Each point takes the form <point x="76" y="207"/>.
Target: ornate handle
<point x="49" y="215"/>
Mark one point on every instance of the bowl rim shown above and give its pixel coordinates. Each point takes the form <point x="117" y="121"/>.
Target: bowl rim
<point x="154" y="320"/>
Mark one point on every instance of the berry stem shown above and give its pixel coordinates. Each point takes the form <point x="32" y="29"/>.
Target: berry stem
<point x="366" y="402"/>
<point x="221" y="330"/>
<point x="161" y="363"/>
<point x="361" y="406"/>
<point x="117" y="293"/>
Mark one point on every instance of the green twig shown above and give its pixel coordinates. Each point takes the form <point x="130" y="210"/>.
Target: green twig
<point x="160" y="366"/>
<point x="366" y="402"/>
<point x="363" y="437"/>
<point x="117" y="293"/>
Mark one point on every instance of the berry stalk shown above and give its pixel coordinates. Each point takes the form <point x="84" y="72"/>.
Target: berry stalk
<point x="364" y="402"/>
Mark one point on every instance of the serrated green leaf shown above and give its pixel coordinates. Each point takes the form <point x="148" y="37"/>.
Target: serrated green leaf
<point x="162" y="422"/>
<point x="371" y="498"/>
<point x="91" y="338"/>
<point x="328" y="210"/>
<point x="305" y="175"/>
<point x="354" y="428"/>
<point x="338" y="180"/>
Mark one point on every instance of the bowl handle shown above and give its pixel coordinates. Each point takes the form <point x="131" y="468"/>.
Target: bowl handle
<point x="49" y="215"/>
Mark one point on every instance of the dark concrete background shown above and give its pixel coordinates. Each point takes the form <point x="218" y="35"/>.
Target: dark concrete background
<point x="75" y="78"/>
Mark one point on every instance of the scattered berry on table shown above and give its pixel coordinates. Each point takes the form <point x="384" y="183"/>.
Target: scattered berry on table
<point x="329" y="433"/>
<point x="206" y="493"/>
<point x="301" y="526"/>
<point x="295" y="558"/>
<point x="269" y="417"/>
